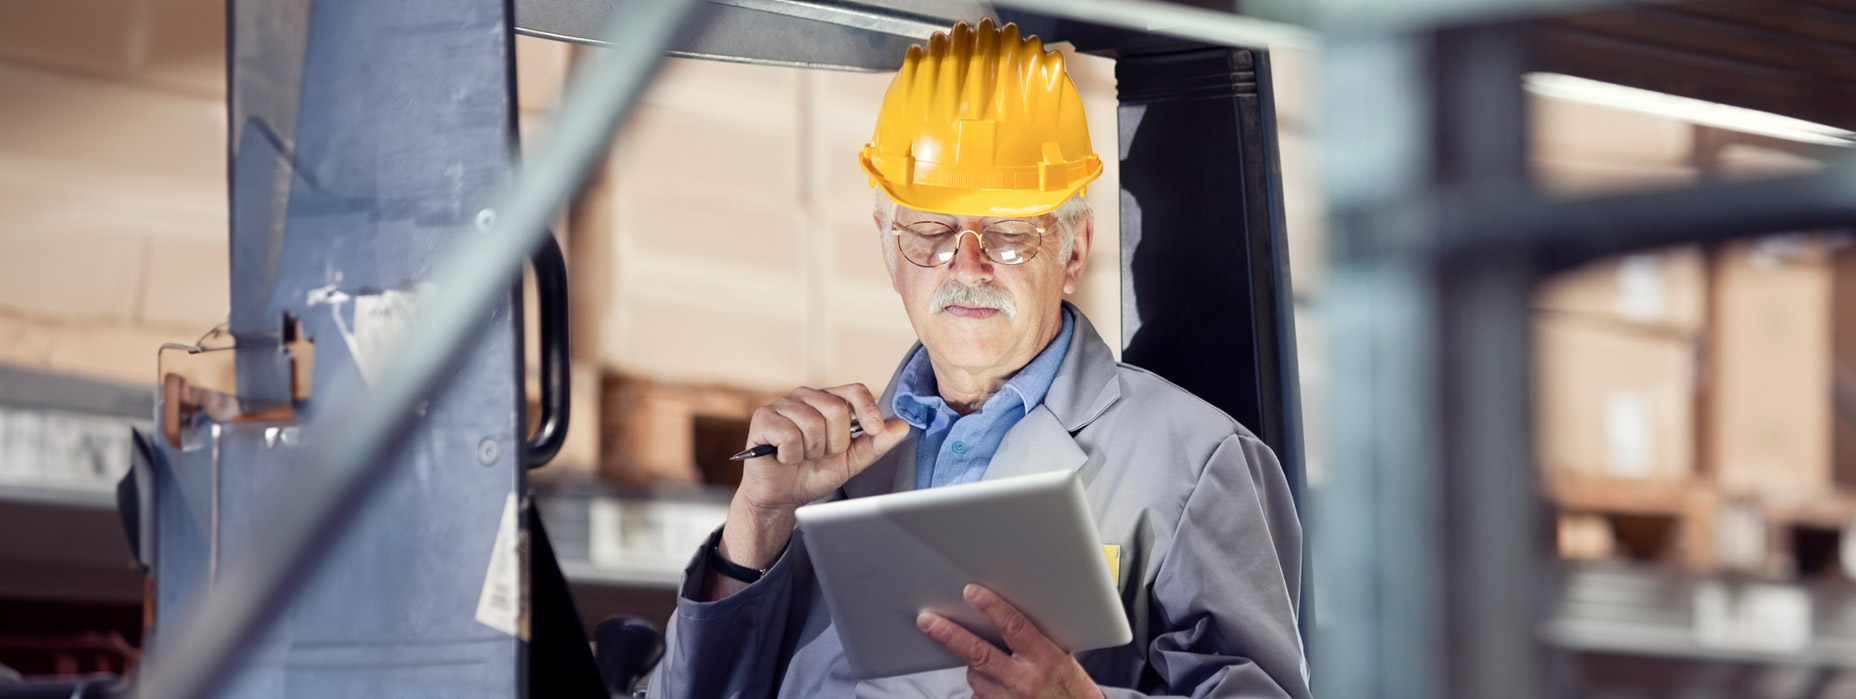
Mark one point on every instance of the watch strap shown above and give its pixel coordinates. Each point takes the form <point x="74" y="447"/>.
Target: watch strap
<point x="731" y="569"/>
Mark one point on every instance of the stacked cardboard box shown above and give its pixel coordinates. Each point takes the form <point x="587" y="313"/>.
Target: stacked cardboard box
<point x="1690" y="385"/>
<point x="1768" y="401"/>
<point x="1616" y="347"/>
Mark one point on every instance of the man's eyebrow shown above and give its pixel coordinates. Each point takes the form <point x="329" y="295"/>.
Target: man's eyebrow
<point x="914" y="216"/>
<point x="1045" y="220"/>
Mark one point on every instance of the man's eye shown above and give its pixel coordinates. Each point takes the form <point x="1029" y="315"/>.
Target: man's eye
<point x="930" y="231"/>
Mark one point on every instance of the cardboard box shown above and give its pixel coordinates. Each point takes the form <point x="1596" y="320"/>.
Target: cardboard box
<point x="1660" y="290"/>
<point x="1613" y="402"/>
<point x="1768" y="407"/>
<point x="1843" y="361"/>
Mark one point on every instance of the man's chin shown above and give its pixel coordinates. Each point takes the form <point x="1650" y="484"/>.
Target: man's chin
<point x="969" y="342"/>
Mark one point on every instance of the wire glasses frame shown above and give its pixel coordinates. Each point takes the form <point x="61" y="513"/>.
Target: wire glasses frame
<point x="933" y="243"/>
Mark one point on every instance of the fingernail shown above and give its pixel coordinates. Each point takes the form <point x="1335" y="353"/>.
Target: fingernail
<point x="924" y="621"/>
<point x="972" y="592"/>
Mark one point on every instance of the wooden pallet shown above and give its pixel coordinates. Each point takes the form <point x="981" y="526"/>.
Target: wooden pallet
<point x="1694" y="525"/>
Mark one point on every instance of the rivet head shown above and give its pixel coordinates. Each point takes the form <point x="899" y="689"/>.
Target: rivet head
<point x="487" y="451"/>
<point x="485" y="219"/>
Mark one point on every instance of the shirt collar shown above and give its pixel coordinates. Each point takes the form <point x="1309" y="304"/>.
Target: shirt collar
<point x="918" y="398"/>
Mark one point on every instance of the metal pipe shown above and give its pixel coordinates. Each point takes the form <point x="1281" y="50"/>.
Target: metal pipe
<point x="335" y="470"/>
<point x="1198" y="24"/>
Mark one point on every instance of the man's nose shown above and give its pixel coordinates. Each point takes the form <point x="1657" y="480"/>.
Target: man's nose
<point x="970" y="264"/>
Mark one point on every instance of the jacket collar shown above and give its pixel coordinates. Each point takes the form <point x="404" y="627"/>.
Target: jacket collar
<point x="1084" y="388"/>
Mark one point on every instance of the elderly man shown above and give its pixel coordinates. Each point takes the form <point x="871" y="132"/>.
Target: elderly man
<point x="981" y="154"/>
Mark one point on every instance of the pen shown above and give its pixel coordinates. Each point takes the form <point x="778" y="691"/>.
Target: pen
<point x="768" y="449"/>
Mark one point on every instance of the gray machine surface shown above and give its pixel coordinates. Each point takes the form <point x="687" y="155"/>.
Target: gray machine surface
<point x="883" y="559"/>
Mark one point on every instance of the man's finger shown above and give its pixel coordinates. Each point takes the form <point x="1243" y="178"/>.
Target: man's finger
<point x="972" y="650"/>
<point x="785" y="436"/>
<point x="863" y="405"/>
<point x="1018" y="631"/>
<point x="811" y="425"/>
<point x="837" y="414"/>
<point x="985" y="687"/>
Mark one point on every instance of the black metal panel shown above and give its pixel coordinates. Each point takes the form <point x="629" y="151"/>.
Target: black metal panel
<point x="560" y="656"/>
<point x="1205" y="285"/>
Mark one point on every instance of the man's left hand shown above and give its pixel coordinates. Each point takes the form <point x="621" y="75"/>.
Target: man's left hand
<point x="1034" y="667"/>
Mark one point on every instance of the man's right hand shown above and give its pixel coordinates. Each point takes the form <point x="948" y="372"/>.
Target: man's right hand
<point x="812" y="430"/>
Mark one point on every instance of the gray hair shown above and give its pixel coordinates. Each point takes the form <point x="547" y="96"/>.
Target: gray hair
<point x="1069" y="214"/>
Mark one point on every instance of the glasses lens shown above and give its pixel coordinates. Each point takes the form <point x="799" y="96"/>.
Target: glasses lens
<point x="1012" y="242"/>
<point x="927" y="243"/>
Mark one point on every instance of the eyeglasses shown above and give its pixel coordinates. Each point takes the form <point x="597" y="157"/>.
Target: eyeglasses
<point x="933" y="243"/>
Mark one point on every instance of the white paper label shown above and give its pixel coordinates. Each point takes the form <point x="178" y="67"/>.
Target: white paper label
<point x="379" y="321"/>
<point x="1630" y="448"/>
<point x="1759" y="617"/>
<point x="655" y="536"/>
<point x="1641" y="295"/>
<point x="1740" y="536"/>
<point x="66" y="451"/>
<point x="1846" y="549"/>
<point x="503" y="603"/>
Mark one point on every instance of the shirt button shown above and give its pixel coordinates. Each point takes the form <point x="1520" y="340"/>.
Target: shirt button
<point x="960" y="447"/>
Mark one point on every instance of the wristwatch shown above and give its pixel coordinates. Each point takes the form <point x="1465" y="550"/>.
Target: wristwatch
<point x="731" y="569"/>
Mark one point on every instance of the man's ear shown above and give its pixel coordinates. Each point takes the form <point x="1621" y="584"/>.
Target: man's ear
<point x="1079" y="252"/>
<point x="889" y="255"/>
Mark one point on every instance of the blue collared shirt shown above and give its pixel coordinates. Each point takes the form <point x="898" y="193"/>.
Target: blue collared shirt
<point x="956" y="448"/>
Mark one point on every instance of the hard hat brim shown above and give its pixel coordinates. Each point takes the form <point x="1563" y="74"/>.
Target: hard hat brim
<point x="956" y="201"/>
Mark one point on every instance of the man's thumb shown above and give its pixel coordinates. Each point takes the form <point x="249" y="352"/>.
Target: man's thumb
<point x="867" y="449"/>
<point x="894" y="429"/>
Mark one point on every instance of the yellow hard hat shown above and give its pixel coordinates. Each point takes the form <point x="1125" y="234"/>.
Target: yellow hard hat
<point x="983" y="123"/>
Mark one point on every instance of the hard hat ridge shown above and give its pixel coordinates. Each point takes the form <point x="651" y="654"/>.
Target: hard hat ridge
<point x="984" y="121"/>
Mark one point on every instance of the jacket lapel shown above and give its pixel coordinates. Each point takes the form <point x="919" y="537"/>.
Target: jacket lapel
<point x="1086" y="383"/>
<point x="1038" y="443"/>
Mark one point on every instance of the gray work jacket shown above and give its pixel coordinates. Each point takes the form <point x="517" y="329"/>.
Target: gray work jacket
<point x="1210" y="552"/>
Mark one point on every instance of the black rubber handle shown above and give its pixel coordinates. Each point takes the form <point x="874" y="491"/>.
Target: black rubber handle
<point x="551" y="296"/>
<point x="626" y="649"/>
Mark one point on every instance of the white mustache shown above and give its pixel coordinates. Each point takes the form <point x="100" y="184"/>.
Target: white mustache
<point x="955" y="293"/>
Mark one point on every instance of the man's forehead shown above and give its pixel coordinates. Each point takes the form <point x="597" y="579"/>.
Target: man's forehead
<point x="906" y="214"/>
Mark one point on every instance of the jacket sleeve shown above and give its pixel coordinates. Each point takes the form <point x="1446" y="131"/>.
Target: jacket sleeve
<point x="1227" y="590"/>
<point x="731" y="647"/>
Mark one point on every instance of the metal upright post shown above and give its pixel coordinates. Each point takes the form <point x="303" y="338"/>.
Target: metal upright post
<point x="1431" y="553"/>
<point x="1379" y="515"/>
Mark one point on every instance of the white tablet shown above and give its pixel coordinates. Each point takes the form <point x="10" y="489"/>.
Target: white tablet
<point x="882" y="560"/>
